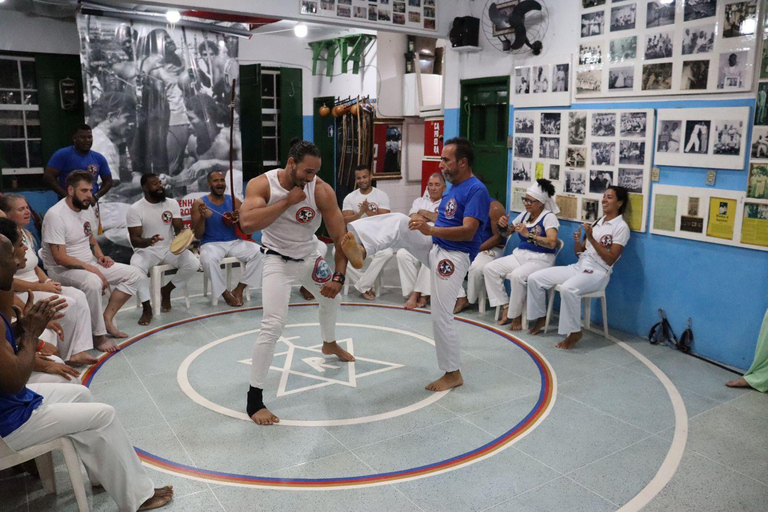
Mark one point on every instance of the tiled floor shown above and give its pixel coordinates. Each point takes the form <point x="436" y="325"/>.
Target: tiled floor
<point x="605" y="438"/>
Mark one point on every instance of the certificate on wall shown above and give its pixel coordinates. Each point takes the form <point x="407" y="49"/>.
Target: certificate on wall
<point x="722" y="216"/>
<point x="633" y="215"/>
<point x="665" y="212"/>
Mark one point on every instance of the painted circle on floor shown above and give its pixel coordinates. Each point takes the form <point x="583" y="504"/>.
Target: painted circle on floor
<point x="544" y="403"/>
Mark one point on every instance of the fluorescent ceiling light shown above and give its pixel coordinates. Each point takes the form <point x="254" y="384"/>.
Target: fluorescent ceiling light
<point x="173" y="16"/>
<point x="300" y="30"/>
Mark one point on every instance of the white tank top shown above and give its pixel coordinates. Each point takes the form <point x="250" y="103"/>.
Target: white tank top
<point x="292" y="234"/>
<point x="28" y="272"/>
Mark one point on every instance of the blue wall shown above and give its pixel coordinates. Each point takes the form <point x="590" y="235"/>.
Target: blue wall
<point x="309" y="128"/>
<point x="723" y="289"/>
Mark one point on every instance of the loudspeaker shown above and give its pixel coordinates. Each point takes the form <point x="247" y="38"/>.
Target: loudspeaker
<point x="465" y="31"/>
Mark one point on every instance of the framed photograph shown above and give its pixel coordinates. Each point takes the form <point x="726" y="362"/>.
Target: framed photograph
<point x="757" y="183"/>
<point x="550" y="123"/>
<point x="632" y="152"/>
<point x="697" y="136"/>
<point x="622" y="49"/>
<point x="522" y="80"/>
<point x="603" y="153"/>
<point x="575" y="182"/>
<point x="521" y="170"/>
<point x="759" y="149"/>
<point x="603" y="124"/>
<point x="388" y="148"/>
<point x="631" y="179"/>
<point x="575" y="157"/>
<point x="660" y="14"/>
<point x="621" y="78"/>
<point x="698" y="40"/>
<point x="592" y="24"/>
<point x="523" y="147"/>
<point x="761" y="106"/>
<point x="658" y="45"/>
<point x="669" y="136"/>
<point x="540" y="77"/>
<point x="599" y="181"/>
<point x="591" y="3"/>
<point x="633" y="124"/>
<point x="728" y="137"/>
<point x="590" y="53"/>
<point x="731" y="71"/>
<point x="623" y="17"/>
<point x="740" y="19"/>
<point x="698" y="9"/>
<point x="589" y="210"/>
<point x="554" y="172"/>
<point x="524" y="123"/>
<point x="560" y="77"/>
<point x="549" y="148"/>
<point x="544" y="85"/>
<point x="657" y="77"/>
<point x="695" y="75"/>
<point x="590" y="81"/>
<point x="577" y="127"/>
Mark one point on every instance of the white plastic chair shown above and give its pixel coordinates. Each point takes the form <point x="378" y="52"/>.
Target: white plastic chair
<point x="156" y="275"/>
<point x="228" y="264"/>
<point x="44" y="460"/>
<point x="586" y="306"/>
<point x="376" y="283"/>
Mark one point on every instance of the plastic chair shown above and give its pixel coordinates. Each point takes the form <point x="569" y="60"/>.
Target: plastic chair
<point x="376" y="283"/>
<point x="44" y="460"/>
<point x="156" y="275"/>
<point x="587" y="306"/>
<point x="228" y="264"/>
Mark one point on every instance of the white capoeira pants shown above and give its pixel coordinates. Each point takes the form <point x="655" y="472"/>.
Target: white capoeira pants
<point x="516" y="267"/>
<point x="125" y="278"/>
<point x="278" y="278"/>
<point x="414" y="276"/>
<point x="76" y="322"/>
<point x="51" y="378"/>
<point x="186" y="264"/>
<point x="365" y="279"/>
<point x="249" y="253"/>
<point x="447" y="272"/>
<point x="574" y="280"/>
<point x="475" y="274"/>
<point x="99" y="439"/>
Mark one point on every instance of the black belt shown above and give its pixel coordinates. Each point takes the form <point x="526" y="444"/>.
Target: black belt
<point x="264" y="250"/>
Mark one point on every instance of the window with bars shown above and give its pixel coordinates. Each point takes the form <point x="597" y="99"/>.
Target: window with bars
<point x="20" y="145"/>
<point x="270" y="117"/>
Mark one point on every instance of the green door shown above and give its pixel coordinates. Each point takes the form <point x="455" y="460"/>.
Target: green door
<point x="485" y="121"/>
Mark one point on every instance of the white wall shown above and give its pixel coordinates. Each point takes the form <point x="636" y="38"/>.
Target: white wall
<point x="22" y="33"/>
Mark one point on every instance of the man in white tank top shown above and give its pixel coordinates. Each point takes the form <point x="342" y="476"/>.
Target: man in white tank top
<point x="287" y="205"/>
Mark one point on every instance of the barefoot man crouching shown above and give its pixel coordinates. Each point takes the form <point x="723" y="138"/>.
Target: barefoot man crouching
<point x="287" y="205"/>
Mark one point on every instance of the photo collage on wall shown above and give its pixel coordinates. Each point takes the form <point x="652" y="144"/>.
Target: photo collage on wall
<point x="543" y="85"/>
<point x="420" y="14"/>
<point x="658" y="47"/>
<point x="583" y="152"/>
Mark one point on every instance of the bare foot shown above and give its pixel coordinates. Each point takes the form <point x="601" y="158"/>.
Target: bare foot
<point x="113" y="331"/>
<point x="741" y="382"/>
<point x="504" y="320"/>
<point x="146" y="317"/>
<point x="264" y="417"/>
<point x="333" y="349"/>
<point x="461" y="304"/>
<point x="369" y="295"/>
<point x="306" y="294"/>
<point x="423" y="301"/>
<point x="570" y="340"/>
<point x="102" y="344"/>
<point x="165" y="297"/>
<point x="354" y="252"/>
<point x="238" y="293"/>
<point x="413" y="301"/>
<point x="230" y="299"/>
<point x="82" y="359"/>
<point x="517" y="324"/>
<point x="161" y="498"/>
<point x="538" y="326"/>
<point x="447" y="381"/>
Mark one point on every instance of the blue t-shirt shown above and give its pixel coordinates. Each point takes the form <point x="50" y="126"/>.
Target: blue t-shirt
<point x="68" y="159"/>
<point x="215" y="229"/>
<point x="15" y="409"/>
<point x="469" y="198"/>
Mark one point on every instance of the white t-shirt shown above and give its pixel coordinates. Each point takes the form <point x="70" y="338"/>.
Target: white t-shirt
<point x="154" y="219"/>
<point x="64" y="226"/>
<point x="424" y="203"/>
<point x="376" y="199"/>
<point x="28" y="273"/>
<point x="615" y="231"/>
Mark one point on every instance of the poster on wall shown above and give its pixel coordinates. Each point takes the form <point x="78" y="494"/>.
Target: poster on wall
<point x="547" y="84"/>
<point x="712" y="137"/>
<point x="754" y="228"/>
<point x="658" y="47"/>
<point x="421" y="14"/>
<point x="158" y="101"/>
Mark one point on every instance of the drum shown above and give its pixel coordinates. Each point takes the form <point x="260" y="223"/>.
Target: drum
<point x="181" y="241"/>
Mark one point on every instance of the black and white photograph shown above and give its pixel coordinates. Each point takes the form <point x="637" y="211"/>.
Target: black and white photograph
<point x="560" y="77"/>
<point x="328" y="5"/>
<point x="554" y="172"/>
<point x="623" y="18"/>
<point x="698" y="40"/>
<point x="731" y="70"/>
<point x="575" y="157"/>
<point x="604" y="153"/>
<point x="591" y="53"/>
<point x="621" y="78"/>
<point x="359" y="12"/>
<point x="550" y="123"/>
<point x="522" y="80"/>
<point x="603" y="124"/>
<point x="385" y="15"/>
<point x="756" y="211"/>
<point x="633" y="124"/>
<point x="398" y="7"/>
<point x="349" y="2"/>
<point x="308" y="7"/>
<point x="344" y="12"/>
<point x="695" y="75"/>
<point x="698" y="9"/>
<point x="427" y="3"/>
<point x="521" y="170"/>
<point x="540" y="78"/>
<point x="599" y="181"/>
<point x="589" y="209"/>
<point x="759" y="148"/>
<point x="429" y="12"/>
<point x="669" y="136"/>
<point x="658" y="46"/>
<point x="697" y="136"/>
<point x="577" y="127"/>
<point x="657" y="77"/>
<point x="592" y="24"/>
<point x="589" y="82"/>
<point x="591" y="3"/>
<point x="575" y="182"/>
<point x="761" y="105"/>
<point x="549" y="148"/>
<point x="727" y="137"/>
<point x="622" y="49"/>
<point x="631" y="179"/>
<point x="414" y="3"/>
<point x="631" y="152"/>
<point x="524" y="123"/>
<point x="693" y="206"/>
<point x="523" y="147"/>
<point x="398" y="19"/>
<point x="757" y="183"/>
<point x="660" y="13"/>
<point x="740" y="19"/>
<point x="373" y="13"/>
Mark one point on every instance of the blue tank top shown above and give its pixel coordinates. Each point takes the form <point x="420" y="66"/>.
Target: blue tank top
<point x="15" y="409"/>
<point x="539" y="230"/>
<point x="215" y="229"/>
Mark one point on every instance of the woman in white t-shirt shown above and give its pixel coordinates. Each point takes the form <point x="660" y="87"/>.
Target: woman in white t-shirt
<point x="602" y="246"/>
<point x="536" y="229"/>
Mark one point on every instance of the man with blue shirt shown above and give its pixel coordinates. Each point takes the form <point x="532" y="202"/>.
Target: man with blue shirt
<point x="78" y="157"/>
<point x="448" y="248"/>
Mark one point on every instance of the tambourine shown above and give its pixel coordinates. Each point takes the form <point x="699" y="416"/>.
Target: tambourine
<point x="182" y="241"/>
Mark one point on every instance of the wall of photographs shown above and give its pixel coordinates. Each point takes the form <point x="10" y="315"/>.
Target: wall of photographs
<point x="420" y="14"/>
<point x="547" y="84"/>
<point x="583" y="152"/>
<point x="655" y="47"/>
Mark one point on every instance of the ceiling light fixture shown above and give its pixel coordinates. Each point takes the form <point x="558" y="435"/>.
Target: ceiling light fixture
<point x="300" y="30"/>
<point x="173" y="16"/>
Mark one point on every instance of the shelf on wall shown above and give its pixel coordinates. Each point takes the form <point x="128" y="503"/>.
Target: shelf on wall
<point x="467" y="49"/>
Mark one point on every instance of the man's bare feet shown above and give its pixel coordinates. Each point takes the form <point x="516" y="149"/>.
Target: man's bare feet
<point x="306" y="294"/>
<point x="354" y="252"/>
<point x="447" y="381"/>
<point x="230" y="299"/>
<point x="146" y="315"/>
<point x="538" y="326"/>
<point x="461" y="304"/>
<point x="113" y="331"/>
<point x="517" y="324"/>
<point x="369" y="295"/>
<point x="161" y="498"/>
<point x="165" y="297"/>
<point x="333" y="349"/>
<point x="570" y="340"/>
<point x="423" y="301"/>
<point x="102" y="344"/>
<point x="264" y="417"/>
<point x="82" y="359"/>
<point x="238" y="293"/>
<point x="741" y="382"/>
<point x="413" y="301"/>
<point x="504" y="320"/>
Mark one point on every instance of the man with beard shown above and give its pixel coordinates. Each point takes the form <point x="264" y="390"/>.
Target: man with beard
<point x="153" y="221"/>
<point x="213" y="220"/>
<point x="73" y="257"/>
<point x="78" y="157"/>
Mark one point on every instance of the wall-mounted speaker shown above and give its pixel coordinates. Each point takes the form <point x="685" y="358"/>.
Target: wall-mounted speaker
<point x="465" y="31"/>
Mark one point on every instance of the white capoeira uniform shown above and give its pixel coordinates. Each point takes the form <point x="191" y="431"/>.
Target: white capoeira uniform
<point x="292" y="257"/>
<point x="414" y="277"/>
<point x="365" y="279"/>
<point x="448" y="261"/>
<point x="157" y="219"/>
<point x="526" y="259"/>
<point x="475" y="273"/>
<point x="63" y="226"/>
<point x="587" y="275"/>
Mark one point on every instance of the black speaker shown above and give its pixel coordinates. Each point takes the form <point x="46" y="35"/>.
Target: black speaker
<point x="465" y="31"/>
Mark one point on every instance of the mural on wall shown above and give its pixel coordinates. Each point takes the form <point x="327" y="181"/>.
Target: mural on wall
<point x="158" y="100"/>
<point x="420" y="14"/>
